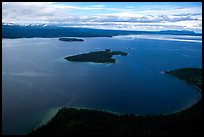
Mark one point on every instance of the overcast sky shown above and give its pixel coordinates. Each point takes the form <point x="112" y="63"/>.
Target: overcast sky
<point x="107" y="15"/>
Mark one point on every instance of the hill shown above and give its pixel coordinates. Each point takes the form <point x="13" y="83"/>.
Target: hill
<point x="30" y="31"/>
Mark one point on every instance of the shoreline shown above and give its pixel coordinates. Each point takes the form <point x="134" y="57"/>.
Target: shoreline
<point x="190" y="105"/>
<point x="196" y="87"/>
<point x="68" y="121"/>
<point x="45" y="120"/>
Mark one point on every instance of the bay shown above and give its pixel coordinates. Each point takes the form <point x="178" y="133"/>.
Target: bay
<point x="36" y="78"/>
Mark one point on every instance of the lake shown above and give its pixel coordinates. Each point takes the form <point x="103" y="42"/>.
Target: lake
<point x="37" y="80"/>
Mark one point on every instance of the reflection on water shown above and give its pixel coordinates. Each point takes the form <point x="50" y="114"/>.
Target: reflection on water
<point x="25" y="73"/>
<point x="184" y="38"/>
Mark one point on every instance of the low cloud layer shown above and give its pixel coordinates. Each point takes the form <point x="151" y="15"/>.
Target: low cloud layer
<point x="104" y="16"/>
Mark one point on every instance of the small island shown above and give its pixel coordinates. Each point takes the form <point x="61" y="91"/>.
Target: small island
<point x="96" y="57"/>
<point x="70" y="39"/>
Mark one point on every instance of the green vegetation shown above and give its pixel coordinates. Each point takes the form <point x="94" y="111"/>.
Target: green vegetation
<point x="71" y="121"/>
<point x="70" y="39"/>
<point x="96" y="57"/>
<point x="190" y="75"/>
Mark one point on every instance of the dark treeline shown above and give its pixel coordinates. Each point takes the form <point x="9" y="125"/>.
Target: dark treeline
<point x="190" y="75"/>
<point x="71" y="121"/>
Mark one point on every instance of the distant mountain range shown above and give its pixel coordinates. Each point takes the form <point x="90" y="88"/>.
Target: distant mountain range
<point x="50" y="31"/>
<point x="177" y="32"/>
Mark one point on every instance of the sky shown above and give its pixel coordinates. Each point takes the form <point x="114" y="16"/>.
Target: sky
<point x="145" y="16"/>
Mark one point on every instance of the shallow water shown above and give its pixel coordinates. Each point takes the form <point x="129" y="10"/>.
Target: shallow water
<point x="36" y="78"/>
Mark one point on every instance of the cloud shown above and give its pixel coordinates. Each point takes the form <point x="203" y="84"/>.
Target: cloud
<point x="99" y="14"/>
<point x="189" y="14"/>
<point x="143" y="19"/>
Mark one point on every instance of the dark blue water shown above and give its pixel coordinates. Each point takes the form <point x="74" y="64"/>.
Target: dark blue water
<point x="37" y="78"/>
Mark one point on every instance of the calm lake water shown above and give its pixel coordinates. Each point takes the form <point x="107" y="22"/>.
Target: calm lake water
<point x="37" y="80"/>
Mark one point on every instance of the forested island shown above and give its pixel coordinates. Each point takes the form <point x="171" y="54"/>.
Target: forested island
<point x="72" y="121"/>
<point x="70" y="39"/>
<point x="96" y="57"/>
